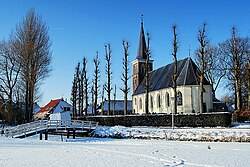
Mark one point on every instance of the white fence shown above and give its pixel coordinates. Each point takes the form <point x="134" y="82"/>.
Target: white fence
<point x="42" y="125"/>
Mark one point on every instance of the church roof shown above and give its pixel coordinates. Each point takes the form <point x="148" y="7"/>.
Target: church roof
<point x="141" y="53"/>
<point x="187" y="71"/>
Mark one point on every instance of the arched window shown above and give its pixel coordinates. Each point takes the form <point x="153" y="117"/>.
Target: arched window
<point x="140" y="104"/>
<point x="135" y="101"/>
<point x="158" y="101"/>
<point x="179" y="98"/>
<point x="167" y="99"/>
<point x="151" y="101"/>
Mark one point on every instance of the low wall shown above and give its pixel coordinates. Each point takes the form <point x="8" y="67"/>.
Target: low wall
<point x="180" y="120"/>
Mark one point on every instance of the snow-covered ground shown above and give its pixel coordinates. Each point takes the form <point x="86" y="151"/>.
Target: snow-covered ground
<point x="109" y="152"/>
<point x="161" y="148"/>
<point x="237" y="133"/>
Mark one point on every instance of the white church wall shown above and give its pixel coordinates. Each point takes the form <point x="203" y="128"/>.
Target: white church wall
<point x="195" y="98"/>
<point x="190" y="100"/>
<point x="208" y="98"/>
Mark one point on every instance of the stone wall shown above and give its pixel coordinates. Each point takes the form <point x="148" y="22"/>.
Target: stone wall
<point x="181" y="120"/>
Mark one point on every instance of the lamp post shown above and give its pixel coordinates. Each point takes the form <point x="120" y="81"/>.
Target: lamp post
<point x="172" y="99"/>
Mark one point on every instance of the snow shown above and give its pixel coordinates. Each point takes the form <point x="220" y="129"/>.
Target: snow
<point x="100" y="152"/>
<point x="238" y="133"/>
<point x="131" y="150"/>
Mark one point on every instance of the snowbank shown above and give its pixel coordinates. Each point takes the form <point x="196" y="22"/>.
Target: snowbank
<point x="184" y="134"/>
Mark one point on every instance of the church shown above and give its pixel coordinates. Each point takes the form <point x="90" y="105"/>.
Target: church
<point x="161" y="93"/>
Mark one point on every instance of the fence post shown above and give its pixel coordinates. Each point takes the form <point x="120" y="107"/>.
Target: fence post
<point x="41" y="136"/>
<point x="46" y="135"/>
<point x="67" y="134"/>
<point x="74" y="133"/>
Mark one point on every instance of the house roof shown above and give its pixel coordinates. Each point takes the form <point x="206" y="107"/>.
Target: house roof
<point x="49" y="107"/>
<point x="187" y="72"/>
<point x="119" y="105"/>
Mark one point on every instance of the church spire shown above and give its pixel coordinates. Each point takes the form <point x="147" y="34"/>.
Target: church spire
<point x="142" y="43"/>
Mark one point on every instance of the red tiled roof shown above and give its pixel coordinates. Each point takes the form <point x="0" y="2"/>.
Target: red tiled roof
<point x="51" y="105"/>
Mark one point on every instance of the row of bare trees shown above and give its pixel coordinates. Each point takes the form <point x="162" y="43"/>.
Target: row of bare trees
<point x="25" y="63"/>
<point x="228" y="62"/>
<point x="81" y="88"/>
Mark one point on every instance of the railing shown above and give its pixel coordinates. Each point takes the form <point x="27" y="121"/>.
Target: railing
<point x="41" y="125"/>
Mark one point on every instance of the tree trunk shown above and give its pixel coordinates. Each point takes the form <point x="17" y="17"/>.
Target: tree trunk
<point x="125" y="104"/>
<point x="238" y="95"/>
<point x="201" y="95"/>
<point x="146" y="102"/>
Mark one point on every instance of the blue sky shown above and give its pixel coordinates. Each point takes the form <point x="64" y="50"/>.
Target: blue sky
<point x="81" y="27"/>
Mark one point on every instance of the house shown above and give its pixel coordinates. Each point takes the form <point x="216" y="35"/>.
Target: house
<point x="161" y="95"/>
<point x="116" y="107"/>
<point x="55" y="110"/>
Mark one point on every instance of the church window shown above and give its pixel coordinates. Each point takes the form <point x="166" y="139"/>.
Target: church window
<point x="152" y="102"/>
<point x="167" y="99"/>
<point x="140" y="104"/>
<point x="135" y="101"/>
<point x="179" y="98"/>
<point x="159" y="101"/>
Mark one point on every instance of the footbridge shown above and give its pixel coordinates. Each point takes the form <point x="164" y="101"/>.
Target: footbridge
<point x="50" y="126"/>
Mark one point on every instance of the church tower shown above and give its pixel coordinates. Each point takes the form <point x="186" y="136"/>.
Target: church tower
<point x="140" y="62"/>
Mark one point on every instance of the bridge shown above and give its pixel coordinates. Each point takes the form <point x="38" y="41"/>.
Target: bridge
<point x="53" y="126"/>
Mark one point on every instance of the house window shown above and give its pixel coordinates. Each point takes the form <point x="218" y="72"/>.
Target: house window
<point x="167" y="99"/>
<point x="159" y="101"/>
<point x="152" y="102"/>
<point x="179" y="98"/>
<point x="140" y="104"/>
<point x="66" y="108"/>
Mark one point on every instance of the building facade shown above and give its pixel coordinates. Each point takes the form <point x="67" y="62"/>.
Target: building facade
<point x="161" y="96"/>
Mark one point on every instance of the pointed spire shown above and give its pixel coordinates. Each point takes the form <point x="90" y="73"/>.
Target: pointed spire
<point x="142" y="43"/>
<point x="189" y="51"/>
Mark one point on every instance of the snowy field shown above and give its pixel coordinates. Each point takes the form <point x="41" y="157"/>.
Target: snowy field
<point x="108" y="152"/>
<point x="121" y="152"/>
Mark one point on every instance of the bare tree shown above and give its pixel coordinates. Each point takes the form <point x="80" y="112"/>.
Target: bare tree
<point x="215" y="70"/>
<point x="74" y="95"/>
<point x="174" y="54"/>
<point x="201" y="53"/>
<point x="96" y="81"/>
<point x="146" y="84"/>
<point x="233" y="52"/>
<point x="108" y="87"/>
<point x="103" y="91"/>
<point x="125" y="76"/>
<point x="248" y="79"/>
<point x="9" y="73"/>
<point x="79" y="89"/>
<point x="85" y="85"/>
<point x="92" y="98"/>
<point x="32" y="46"/>
<point x="114" y="100"/>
